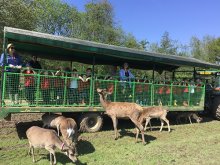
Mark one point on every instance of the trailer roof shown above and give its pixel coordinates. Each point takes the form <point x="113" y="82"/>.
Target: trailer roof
<point x="72" y="49"/>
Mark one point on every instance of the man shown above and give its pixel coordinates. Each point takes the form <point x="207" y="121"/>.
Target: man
<point x="34" y="63"/>
<point x="13" y="64"/>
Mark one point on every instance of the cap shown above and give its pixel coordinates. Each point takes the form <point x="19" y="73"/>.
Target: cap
<point x="10" y="45"/>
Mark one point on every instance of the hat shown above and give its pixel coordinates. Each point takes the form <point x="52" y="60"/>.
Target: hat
<point x="10" y="45"/>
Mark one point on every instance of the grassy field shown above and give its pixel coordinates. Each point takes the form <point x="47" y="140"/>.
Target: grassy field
<point x="186" y="144"/>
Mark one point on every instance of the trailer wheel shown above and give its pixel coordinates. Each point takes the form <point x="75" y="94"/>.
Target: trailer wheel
<point x="216" y="108"/>
<point x="90" y="122"/>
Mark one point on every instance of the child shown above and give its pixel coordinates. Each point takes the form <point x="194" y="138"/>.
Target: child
<point x="45" y="88"/>
<point x="29" y="83"/>
<point x="84" y="87"/>
<point x="73" y="88"/>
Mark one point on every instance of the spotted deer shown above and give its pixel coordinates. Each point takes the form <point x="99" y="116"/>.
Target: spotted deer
<point x="67" y="127"/>
<point x="48" y="139"/>
<point x="117" y="110"/>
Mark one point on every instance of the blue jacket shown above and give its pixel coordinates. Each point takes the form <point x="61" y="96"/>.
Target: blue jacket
<point x="16" y="61"/>
<point x="123" y="77"/>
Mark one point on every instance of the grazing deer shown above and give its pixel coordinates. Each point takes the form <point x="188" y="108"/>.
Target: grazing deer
<point x="48" y="139"/>
<point x="117" y="110"/>
<point x="67" y="127"/>
<point x="188" y="115"/>
<point x="154" y="112"/>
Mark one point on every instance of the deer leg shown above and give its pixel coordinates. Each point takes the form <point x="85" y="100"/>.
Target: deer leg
<point x="29" y="151"/>
<point x="137" y="134"/>
<point x="115" y="123"/>
<point x="52" y="153"/>
<point x="162" y="123"/>
<point x="32" y="152"/>
<point x="147" y="121"/>
<point x="58" y="129"/>
<point x="150" y="125"/>
<point x="168" y="124"/>
<point x="190" y="120"/>
<point x="141" y="128"/>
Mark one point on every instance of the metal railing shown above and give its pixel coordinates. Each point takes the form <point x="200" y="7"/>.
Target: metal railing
<point x="42" y="89"/>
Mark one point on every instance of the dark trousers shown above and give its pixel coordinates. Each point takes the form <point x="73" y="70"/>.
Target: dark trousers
<point x="59" y="93"/>
<point x="46" y="96"/>
<point x="30" y="94"/>
<point x="73" y="95"/>
<point x="12" y="83"/>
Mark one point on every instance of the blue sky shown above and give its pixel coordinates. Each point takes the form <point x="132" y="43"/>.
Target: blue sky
<point x="149" y="19"/>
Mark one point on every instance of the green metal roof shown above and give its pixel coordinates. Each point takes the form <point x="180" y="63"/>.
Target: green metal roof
<point x="72" y="49"/>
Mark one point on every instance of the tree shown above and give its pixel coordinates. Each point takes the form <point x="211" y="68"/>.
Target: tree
<point x="54" y="17"/>
<point x="167" y="45"/>
<point x="214" y="50"/>
<point x="98" y="24"/>
<point x="200" y="48"/>
<point x="16" y="14"/>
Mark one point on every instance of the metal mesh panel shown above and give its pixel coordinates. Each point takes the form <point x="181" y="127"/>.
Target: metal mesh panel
<point x="45" y="89"/>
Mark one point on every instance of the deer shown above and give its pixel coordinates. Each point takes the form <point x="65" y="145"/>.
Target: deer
<point x="45" y="138"/>
<point x="188" y="115"/>
<point x="154" y="112"/>
<point x="67" y="127"/>
<point x="117" y="110"/>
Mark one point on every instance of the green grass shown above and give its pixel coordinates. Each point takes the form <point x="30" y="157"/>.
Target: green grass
<point x="186" y="144"/>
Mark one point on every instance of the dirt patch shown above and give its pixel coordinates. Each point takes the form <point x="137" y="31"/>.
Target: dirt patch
<point x="20" y="117"/>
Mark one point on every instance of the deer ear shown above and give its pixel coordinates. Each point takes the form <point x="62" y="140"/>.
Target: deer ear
<point x="99" y="90"/>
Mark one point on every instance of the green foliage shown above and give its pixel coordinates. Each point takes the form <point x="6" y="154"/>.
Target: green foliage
<point x="16" y="14"/>
<point x="54" y="17"/>
<point x="96" y="23"/>
<point x="200" y="48"/>
<point x="166" y="45"/>
<point x="214" y="50"/>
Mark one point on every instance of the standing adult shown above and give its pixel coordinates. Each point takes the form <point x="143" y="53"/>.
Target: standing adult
<point x="13" y="64"/>
<point x="34" y="63"/>
<point x="126" y="76"/>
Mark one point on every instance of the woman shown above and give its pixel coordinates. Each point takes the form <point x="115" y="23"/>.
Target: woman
<point x="13" y="63"/>
<point x="126" y="76"/>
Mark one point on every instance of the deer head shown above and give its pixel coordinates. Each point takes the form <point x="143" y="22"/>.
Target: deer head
<point x="70" y="152"/>
<point x="103" y="93"/>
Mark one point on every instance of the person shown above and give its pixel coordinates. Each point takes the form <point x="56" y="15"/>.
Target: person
<point x="34" y="63"/>
<point x="185" y="92"/>
<point x="84" y="87"/>
<point x="73" y="88"/>
<point x="13" y="63"/>
<point x="29" y="83"/>
<point x="125" y="75"/>
<point x="59" y="85"/>
<point x="45" y="85"/>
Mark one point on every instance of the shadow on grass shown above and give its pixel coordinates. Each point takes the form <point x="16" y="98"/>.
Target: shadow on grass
<point x="148" y="138"/>
<point x="22" y="127"/>
<point x="85" y="147"/>
<point x="60" y="157"/>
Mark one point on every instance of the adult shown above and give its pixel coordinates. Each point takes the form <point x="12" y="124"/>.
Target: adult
<point x="126" y="76"/>
<point x="34" y="63"/>
<point x="13" y="64"/>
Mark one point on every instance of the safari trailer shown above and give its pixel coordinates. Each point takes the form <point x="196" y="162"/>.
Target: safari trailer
<point x="90" y="114"/>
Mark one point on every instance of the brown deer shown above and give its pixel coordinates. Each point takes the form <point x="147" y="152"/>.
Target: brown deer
<point x="67" y="127"/>
<point x="154" y="112"/>
<point x="48" y="139"/>
<point x="117" y="110"/>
